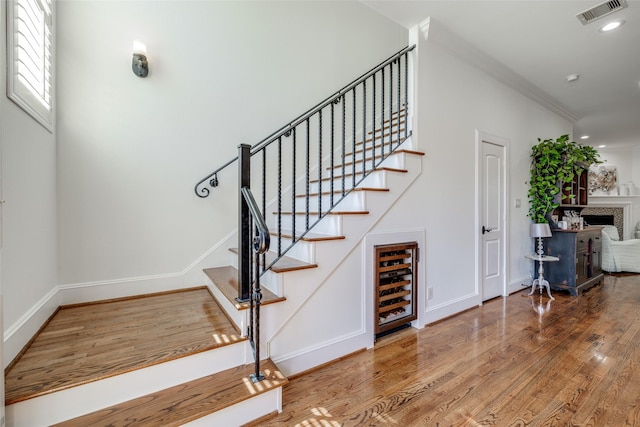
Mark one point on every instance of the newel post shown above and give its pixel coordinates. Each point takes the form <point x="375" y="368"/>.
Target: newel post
<point x="244" y="224"/>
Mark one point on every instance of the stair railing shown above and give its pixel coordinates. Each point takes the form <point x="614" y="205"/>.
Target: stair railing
<point x="339" y="143"/>
<point x="253" y="234"/>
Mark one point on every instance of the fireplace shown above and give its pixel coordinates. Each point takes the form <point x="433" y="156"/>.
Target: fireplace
<point x="605" y="216"/>
<point x="599" y="219"/>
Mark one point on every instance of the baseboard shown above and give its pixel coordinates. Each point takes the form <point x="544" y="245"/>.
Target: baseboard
<point x="18" y="335"/>
<point x="319" y="354"/>
<point x="442" y="311"/>
<point x="518" y="284"/>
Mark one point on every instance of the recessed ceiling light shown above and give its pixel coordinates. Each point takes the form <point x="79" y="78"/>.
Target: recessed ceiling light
<point x="611" y="26"/>
<point x="572" y="77"/>
<point x="584" y="137"/>
<point x="601" y="146"/>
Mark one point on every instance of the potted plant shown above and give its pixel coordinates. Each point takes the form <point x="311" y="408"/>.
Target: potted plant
<point x="553" y="163"/>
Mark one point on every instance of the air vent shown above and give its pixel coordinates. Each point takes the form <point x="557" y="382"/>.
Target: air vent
<point x="601" y="10"/>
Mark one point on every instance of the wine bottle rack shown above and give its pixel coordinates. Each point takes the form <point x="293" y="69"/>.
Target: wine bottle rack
<point x="396" y="285"/>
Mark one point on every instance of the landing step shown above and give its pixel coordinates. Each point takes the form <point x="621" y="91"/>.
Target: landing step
<point x="285" y="263"/>
<point x="86" y="343"/>
<point x="186" y="402"/>
<point x="226" y="279"/>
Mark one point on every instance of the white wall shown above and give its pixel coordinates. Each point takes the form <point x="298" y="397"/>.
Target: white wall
<point x="221" y="74"/>
<point x="29" y="218"/>
<point x="627" y="163"/>
<point x="454" y="100"/>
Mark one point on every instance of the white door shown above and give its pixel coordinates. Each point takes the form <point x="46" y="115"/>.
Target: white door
<point x="492" y="200"/>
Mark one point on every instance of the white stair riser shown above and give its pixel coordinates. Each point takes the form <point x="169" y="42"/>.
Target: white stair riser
<point x="367" y="152"/>
<point x="243" y="412"/>
<point x="303" y="251"/>
<point x="354" y="201"/>
<point x="273" y="282"/>
<point x="76" y="401"/>
<point x="393" y="161"/>
<point x="376" y="179"/>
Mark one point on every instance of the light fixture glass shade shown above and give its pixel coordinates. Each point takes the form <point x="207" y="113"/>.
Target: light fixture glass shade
<point x="539" y="230"/>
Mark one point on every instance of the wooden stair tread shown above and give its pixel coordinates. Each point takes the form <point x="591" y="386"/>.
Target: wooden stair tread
<point x="310" y="237"/>
<point x="226" y="279"/>
<point x="389" y="124"/>
<point x="377" y="156"/>
<point x="326" y="193"/>
<point x="113" y="337"/>
<point x="315" y="213"/>
<point x="186" y="402"/>
<point x="378" y="136"/>
<point x="284" y="264"/>
<point x="378" y="169"/>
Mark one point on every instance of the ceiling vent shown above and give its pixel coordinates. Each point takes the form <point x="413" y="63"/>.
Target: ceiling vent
<point x="601" y="10"/>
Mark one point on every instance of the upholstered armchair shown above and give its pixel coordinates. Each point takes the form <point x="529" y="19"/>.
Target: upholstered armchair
<point x="619" y="255"/>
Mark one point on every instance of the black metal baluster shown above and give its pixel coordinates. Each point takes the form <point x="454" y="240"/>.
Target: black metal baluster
<point x="332" y="148"/>
<point x="364" y="127"/>
<point x="373" y="124"/>
<point x="390" y="108"/>
<point x="264" y="198"/>
<point x="307" y="178"/>
<point x="257" y="296"/>
<point x="280" y="196"/>
<point x="398" y="103"/>
<point x="293" y="186"/>
<point x="320" y="142"/>
<point x="406" y="94"/>
<point x="344" y="141"/>
<point x="353" y="137"/>
<point x="382" y="116"/>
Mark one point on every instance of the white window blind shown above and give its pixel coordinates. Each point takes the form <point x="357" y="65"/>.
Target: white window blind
<point x="30" y="48"/>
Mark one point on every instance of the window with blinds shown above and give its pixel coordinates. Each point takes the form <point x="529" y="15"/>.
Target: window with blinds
<point x="30" y="73"/>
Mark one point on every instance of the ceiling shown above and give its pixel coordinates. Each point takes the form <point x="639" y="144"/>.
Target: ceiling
<point x="543" y="42"/>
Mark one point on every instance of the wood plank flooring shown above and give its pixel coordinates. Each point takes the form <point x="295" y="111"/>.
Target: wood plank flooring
<point x="515" y="361"/>
<point x="186" y="402"/>
<point x="90" y="342"/>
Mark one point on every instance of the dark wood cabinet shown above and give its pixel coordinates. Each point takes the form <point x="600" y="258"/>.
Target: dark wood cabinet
<point x="580" y="264"/>
<point x="576" y="193"/>
<point x="396" y="285"/>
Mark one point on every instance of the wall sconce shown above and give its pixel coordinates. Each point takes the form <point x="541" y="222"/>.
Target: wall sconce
<point x="139" y="63"/>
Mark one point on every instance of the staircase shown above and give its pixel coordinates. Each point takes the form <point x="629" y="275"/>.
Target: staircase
<point x="321" y="184"/>
<point x="162" y="359"/>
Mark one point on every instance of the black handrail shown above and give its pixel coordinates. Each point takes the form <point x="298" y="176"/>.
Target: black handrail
<point x="213" y="180"/>
<point x="373" y="109"/>
<point x="213" y="176"/>
<point x="262" y="240"/>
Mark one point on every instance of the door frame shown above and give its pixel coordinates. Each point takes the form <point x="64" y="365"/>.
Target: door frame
<point x="505" y="144"/>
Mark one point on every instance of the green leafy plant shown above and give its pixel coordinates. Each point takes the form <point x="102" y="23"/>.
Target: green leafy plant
<point x="554" y="162"/>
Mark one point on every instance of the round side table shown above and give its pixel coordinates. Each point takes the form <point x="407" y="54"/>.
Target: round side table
<point x="541" y="282"/>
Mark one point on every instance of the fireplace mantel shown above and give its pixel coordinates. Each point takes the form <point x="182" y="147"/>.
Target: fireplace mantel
<point x="629" y="204"/>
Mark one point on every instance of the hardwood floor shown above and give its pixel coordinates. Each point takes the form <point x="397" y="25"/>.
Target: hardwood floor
<point x="516" y="361"/>
<point x="89" y="342"/>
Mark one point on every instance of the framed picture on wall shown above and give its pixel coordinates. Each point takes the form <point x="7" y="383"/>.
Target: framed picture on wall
<point x="603" y="179"/>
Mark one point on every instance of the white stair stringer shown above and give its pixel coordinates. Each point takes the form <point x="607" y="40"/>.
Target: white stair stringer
<point x="295" y="348"/>
<point x="73" y="402"/>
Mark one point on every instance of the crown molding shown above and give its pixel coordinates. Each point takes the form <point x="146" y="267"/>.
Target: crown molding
<point x="436" y="32"/>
